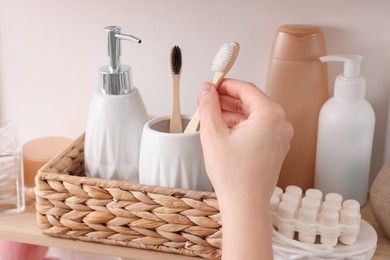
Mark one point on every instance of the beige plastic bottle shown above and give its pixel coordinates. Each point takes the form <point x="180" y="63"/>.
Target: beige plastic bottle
<point x="298" y="81"/>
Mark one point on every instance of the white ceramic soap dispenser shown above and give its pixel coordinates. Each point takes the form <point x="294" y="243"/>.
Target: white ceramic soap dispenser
<point x="345" y="135"/>
<point x="116" y="118"/>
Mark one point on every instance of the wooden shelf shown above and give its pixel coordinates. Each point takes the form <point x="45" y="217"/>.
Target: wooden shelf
<point x="22" y="228"/>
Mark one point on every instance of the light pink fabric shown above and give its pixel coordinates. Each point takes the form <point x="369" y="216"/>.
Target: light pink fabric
<point x="19" y="251"/>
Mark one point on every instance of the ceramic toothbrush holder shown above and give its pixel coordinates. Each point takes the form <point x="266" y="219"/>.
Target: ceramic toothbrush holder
<point x="172" y="159"/>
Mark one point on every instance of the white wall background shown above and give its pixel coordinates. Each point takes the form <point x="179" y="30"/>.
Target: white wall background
<point x="50" y="52"/>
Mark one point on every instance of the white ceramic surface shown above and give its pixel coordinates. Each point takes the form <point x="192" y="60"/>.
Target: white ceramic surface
<point x="363" y="249"/>
<point x="172" y="159"/>
<point x="113" y="134"/>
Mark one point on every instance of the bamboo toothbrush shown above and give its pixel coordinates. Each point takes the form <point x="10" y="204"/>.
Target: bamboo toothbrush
<point x="222" y="63"/>
<point x="175" y="123"/>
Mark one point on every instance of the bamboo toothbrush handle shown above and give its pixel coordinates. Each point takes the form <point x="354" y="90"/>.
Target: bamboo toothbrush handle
<point x="193" y="125"/>
<point x="175" y="123"/>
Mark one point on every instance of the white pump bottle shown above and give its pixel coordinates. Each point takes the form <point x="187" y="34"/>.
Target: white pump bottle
<point x="116" y="118"/>
<point x="345" y="134"/>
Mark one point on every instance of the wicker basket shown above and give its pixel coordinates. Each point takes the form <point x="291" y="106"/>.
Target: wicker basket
<point x="70" y="205"/>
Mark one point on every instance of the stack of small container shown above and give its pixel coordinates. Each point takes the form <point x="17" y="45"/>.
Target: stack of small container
<point x="309" y="216"/>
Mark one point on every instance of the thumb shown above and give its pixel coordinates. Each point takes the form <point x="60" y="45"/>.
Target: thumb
<point x="210" y="113"/>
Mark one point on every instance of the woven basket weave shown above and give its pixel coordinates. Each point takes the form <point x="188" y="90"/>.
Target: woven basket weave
<point x="70" y="205"/>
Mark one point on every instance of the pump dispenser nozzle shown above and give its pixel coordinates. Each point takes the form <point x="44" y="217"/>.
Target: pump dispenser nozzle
<point x="115" y="79"/>
<point x="350" y="85"/>
<point x="351" y="64"/>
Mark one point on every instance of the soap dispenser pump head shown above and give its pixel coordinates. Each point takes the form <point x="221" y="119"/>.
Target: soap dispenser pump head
<point x="115" y="79"/>
<point x="351" y="64"/>
<point x="350" y="85"/>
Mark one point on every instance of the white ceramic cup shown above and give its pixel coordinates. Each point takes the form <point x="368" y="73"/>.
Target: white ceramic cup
<point x="172" y="159"/>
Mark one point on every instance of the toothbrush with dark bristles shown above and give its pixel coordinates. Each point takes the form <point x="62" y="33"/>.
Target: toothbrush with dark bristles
<point x="222" y="63"/>
<point x="176" y="60"/>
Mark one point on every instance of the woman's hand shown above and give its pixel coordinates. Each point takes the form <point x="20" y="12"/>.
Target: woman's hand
<point x="245" y="138"/>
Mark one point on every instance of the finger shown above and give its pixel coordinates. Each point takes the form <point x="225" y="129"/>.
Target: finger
<point x="211" y="119"/>
<point x="232" y="119"/>
<point x="234" y="105"/>
<point x="247" y="92"/>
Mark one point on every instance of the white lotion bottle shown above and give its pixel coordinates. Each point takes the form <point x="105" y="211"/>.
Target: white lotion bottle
<point x="345" y="135"/>
<point x="116" y="118"/>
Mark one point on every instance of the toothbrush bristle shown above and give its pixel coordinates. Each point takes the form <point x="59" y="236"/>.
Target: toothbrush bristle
<point x="223" y="57"/>
<point x="176" y="59"/>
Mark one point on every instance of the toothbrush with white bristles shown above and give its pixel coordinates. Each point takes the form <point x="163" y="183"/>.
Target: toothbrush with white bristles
<point x="222" y="63"/>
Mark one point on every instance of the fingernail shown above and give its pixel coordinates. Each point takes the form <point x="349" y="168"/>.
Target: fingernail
<point x="204" y="88"/>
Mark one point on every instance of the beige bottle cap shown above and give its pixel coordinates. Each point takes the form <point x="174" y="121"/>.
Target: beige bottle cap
<point x="298" y="42"/>
<point x="38" y="152"/>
